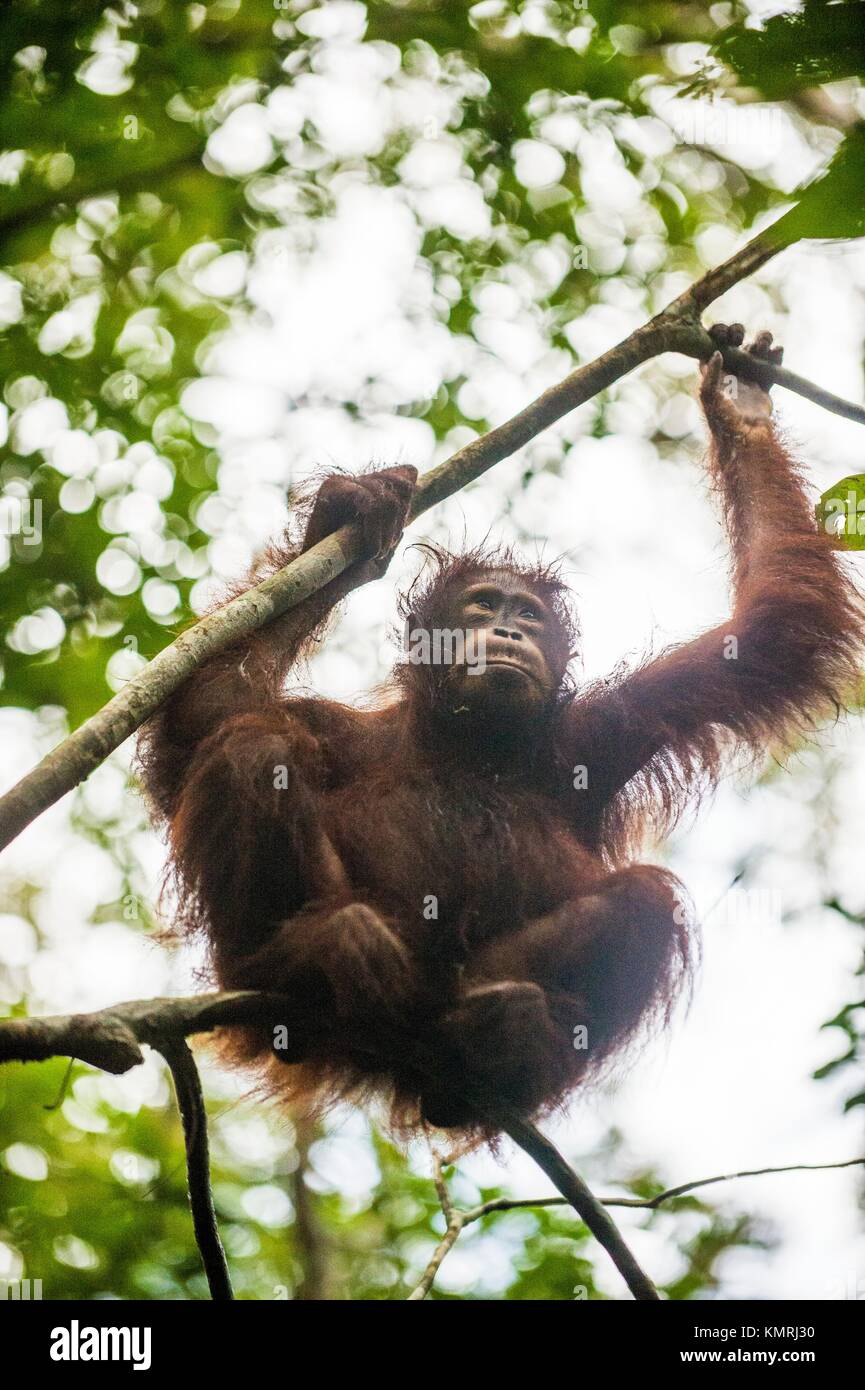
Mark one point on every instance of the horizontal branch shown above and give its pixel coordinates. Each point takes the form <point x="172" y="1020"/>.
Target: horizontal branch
<point x="676" y="329"/>
<point x="668" y="1195"/>
<point x="111" y="1038"/>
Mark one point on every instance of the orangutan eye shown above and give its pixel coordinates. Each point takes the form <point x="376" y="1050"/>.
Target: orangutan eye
<point x="531" y="613"/>
<point x="483" y="603"/>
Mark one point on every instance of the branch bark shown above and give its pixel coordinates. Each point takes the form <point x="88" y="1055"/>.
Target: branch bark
<point x="676" y="329"/>
<point x="309" y="1234"/>
<point x="584" y="1202"/>
<point x="190" y="1100"/>
<point x="111" y="1038"/>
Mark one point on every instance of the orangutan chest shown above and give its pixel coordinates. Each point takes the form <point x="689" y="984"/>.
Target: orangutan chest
<point x="478" y="856"/>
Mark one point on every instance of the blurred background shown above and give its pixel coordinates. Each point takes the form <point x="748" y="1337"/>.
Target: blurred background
<point x="245" y="240"/>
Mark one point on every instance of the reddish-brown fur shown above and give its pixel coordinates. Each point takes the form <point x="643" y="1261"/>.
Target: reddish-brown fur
<point x="320" y="887"/>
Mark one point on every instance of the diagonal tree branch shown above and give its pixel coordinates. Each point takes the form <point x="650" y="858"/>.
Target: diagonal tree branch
<point x="654" y="1203"/>
<point x="676" y="329"/>
<point x="584" y="1202"/>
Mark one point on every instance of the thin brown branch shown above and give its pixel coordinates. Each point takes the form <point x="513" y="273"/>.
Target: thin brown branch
<point x="584" y="1202"/>
<point x="441" y="1188"/>
<point x="723" y="277"/>
<point x="692" y="340"/>
<point x="460" y="1218"/>
<point x="452" y="1234"/>
<point x="676" y="329"/>
<point x="111" y="1038"/>
<point x="455" y="1220"/>
<point x="310" y="1236"/>
<point x="577" y="1195"/>
<point x="652" y="1203"/>
<point x="190" y="1101"/>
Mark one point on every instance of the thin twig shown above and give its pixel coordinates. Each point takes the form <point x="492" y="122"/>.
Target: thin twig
<point x="446" y="1244"/>
<point x="651" y="1203"/>
<point x="454" y="1223"/>
<point x="460" y="1218"/>
<point x="190" y="1100"/>
<point x="441" y="1187"/>
<point x="308" y="1233"/>
<point x="676" y="329"/>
